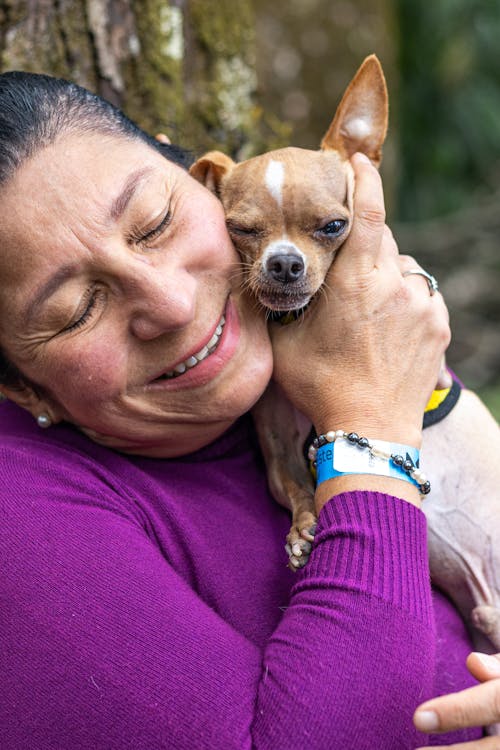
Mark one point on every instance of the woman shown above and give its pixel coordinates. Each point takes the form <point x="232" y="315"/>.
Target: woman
<point x="146" y="602"/>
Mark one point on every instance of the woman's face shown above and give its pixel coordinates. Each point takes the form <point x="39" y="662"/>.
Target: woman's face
<point x="116" y="274"/>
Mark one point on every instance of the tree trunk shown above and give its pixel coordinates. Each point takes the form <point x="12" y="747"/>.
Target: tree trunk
<point x="184" y="67"/>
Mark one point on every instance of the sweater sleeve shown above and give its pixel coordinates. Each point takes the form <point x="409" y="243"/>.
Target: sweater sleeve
<point x="104" y="645"/>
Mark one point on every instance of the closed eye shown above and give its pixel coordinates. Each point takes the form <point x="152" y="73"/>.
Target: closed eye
<point x="153" y="233"/>
<point x="140" y="237"/>
<point x="241" y="230"/>
<point x="92" y="298"/>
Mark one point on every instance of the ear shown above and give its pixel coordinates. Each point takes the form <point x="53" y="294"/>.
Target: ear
<point x="360" y="122"/>
<point x="27" y="398"/>
<point x="211" y="168"/>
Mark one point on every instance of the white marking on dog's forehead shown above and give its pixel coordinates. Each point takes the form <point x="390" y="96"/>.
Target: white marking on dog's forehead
<point x="274" y="178"/>
<point x="358" y="127"/>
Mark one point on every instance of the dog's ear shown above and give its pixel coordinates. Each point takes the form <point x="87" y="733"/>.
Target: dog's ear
<point x="211" y="168"/>
<point x="360" y="122"/>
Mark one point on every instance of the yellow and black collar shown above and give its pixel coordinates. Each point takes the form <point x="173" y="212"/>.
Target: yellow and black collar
<point x="441" y="403"/>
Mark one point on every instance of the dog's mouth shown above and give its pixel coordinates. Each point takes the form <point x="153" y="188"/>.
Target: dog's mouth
<point x="282" y="298"/>
<point x="279" y="304"/>
<point x="284" y="317"/>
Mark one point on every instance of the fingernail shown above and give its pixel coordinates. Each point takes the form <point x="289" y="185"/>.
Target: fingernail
<point x="491" y="663"/>
<point x="426" y="721"/>
<point x="361" y="157"/>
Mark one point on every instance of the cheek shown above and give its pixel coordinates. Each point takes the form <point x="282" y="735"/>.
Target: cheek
<point x="210" y="232"/>
<point x="90" y="374"/>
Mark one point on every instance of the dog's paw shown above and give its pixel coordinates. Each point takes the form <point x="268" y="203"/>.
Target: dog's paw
<point x="298" y="542"/>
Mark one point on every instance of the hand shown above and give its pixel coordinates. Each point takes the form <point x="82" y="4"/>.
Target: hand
<point x="368" y="352"/>
<point x="474" y="707"/>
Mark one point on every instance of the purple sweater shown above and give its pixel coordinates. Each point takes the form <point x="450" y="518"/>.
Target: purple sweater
<point x="146" y="604"/>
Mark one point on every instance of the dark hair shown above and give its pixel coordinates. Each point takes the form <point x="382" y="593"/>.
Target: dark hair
<point x="34" y="110"/>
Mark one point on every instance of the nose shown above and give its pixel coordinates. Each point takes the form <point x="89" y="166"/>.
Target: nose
<point x="286" y="268"/>
<point x="160" y="305"/>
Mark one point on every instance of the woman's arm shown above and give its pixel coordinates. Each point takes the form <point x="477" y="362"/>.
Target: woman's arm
<point x="105" y="645"/>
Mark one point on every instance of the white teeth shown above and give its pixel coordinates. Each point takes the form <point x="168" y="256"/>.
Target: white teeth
<point x="199" y="356"/>
<point x="213" y="340"/>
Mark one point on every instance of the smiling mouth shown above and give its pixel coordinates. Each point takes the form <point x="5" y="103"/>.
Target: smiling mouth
<point x="195" y="359"/>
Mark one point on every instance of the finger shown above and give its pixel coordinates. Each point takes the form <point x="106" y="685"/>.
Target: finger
<point x="476" y="706"/>
<point x="446" y="381"/>
<point x="440" y="315"/>
<point x="487" y="743"/>
<point x="417" y="280"/>
<point x="408" y="263"/>
<point x="421" y="275"/>
<point x="369" y="213"/>
<point x="483" y="666"/>
<point x="388" y="253"/>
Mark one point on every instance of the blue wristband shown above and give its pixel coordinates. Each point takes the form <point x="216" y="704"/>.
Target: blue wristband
<point x="342" y="457"/>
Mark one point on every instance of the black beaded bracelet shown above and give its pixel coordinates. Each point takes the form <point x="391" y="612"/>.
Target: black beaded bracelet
<point x="407" y="465"/>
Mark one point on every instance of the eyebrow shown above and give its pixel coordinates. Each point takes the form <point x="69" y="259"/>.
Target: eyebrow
<point x="121" y="202"/>
<point x="117" y="210"/>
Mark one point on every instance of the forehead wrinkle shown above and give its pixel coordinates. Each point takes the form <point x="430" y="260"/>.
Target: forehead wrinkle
<point x="122" y="200"/>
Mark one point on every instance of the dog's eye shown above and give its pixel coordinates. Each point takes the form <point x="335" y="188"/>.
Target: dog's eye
<point x="242" y="231"/>
<point x="334" y="227"/>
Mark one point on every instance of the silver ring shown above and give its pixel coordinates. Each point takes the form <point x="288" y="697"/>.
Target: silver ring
<point x="431" y="281"/>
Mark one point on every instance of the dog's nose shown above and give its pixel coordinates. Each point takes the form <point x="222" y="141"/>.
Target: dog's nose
<point x="287" y="269"/>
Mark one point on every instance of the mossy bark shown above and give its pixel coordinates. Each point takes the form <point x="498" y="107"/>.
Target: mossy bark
<point x="185" y="67"/>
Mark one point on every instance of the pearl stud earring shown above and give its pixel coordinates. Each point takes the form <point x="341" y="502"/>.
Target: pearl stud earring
<point x="43" y="421"/>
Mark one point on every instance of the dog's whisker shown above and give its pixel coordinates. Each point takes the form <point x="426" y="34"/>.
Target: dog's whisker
<point x="247" y="287"/>
<point x="239" y="275"/>
<point x="324" y="292"/>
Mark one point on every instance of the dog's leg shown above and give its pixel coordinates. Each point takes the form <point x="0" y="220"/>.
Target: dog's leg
<point x="461" y="456"/>
<point x="282" y="432"/>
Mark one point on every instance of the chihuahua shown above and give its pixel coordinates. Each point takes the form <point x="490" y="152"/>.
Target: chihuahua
<point x="288" y="212"/>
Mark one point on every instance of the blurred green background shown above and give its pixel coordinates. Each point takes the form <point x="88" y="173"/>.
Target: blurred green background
<point x="441" y="163"/>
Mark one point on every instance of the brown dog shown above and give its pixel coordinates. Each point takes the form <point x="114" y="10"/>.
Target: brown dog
<point x="288" y="212"/>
